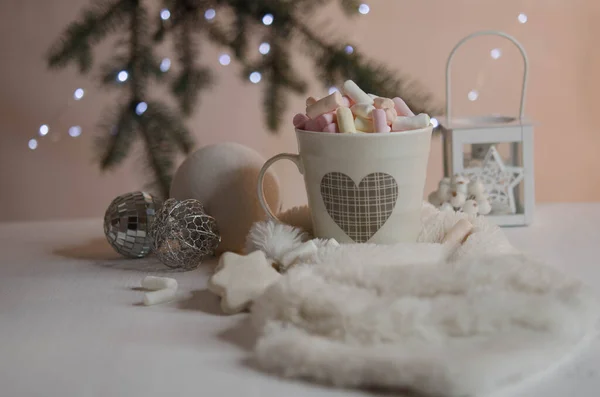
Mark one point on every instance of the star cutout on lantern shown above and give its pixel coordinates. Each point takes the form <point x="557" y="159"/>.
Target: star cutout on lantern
<point x="499" y="180"/>
<point x="239" y="279"/>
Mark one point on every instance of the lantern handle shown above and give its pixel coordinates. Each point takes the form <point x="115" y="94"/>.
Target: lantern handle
<point x="487" y="33"/>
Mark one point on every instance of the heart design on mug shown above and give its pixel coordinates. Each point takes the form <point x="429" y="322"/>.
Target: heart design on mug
<point x="360" y="211"/>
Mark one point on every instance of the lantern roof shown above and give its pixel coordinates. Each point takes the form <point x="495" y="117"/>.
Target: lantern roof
<point x="477" y="122"/>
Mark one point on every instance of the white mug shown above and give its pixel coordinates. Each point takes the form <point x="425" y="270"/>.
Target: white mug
<point x="361" y="187"/>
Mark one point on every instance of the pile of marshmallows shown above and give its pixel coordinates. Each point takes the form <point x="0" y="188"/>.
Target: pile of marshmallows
<point x="358" y="112"/>
<point x="461" y="194"/>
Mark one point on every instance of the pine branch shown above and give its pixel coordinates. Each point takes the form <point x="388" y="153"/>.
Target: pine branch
<point x="117" y="138"/>
<point x="159" y="156"/>
<point x="191" y="80"/>
<point x="169" y="125"/>
<point x="98" y="21"/>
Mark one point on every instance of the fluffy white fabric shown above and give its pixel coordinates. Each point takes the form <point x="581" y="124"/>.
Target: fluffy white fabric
<point x="367" y="315"/>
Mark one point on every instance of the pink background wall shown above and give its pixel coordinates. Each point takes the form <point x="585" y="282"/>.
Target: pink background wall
<point x="60" y="179"/>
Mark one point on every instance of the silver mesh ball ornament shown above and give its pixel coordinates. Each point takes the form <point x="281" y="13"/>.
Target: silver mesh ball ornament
<point x="183" y="234"/>
<point x="127" y="223"/>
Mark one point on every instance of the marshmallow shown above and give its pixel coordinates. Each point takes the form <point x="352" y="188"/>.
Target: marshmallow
<point x="434" y="198"/>
<point x="383" y="103"/>
<point x="363" y="124"/>
<point x="300" y="120"/>
<point x="380" y="121"/>
<point x="458" y="234"/>
<point x="476" y="188"/>
<point x="312" y="125"/>
<point x="324" y="105"/>
<point x="363" y="110"/>
<point x="457" y="199"/>
<point x="345" y="119"/>
<point x="484" y="206"/>
<point x="460" y="184"/>
<point x="355" y="93"/>
<point x="332" y="127"/>
<point x="444" y="189"/>
<point x="373" y="96"/>
<point x="470" y="207"/>
<point x="347" y="101"/>
<point x="390" y="115"/>
<point x="446" y="207"/>
<point x="402" y="108"/>
<point x="310" y="101"/>
<point x="155" y="283"/>
<point x="160" y="296"/>
<point x="403" y="123"/>
<point x="324" y="120"/>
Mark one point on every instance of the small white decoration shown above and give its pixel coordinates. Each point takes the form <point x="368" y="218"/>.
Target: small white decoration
<point x="239" y="279"/>
<point x="460" y="193"/>
<point x="499" y="180"/>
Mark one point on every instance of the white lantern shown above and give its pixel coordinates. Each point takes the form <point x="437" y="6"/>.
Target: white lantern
<point x="498" y="150"/>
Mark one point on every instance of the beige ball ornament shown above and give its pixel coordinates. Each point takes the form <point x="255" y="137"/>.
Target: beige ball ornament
<point x="223" y="178"/>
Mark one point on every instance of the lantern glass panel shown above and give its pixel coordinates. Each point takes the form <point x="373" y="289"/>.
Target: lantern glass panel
<point x="500" y="168"/>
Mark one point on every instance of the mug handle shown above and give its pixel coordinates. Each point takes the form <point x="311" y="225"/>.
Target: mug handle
<point x="261" y="176"/>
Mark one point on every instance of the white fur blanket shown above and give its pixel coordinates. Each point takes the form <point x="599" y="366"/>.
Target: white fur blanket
<point x="368" y="316"/>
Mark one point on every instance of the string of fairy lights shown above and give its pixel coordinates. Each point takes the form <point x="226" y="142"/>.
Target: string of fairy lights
<point x="224" y="60"/>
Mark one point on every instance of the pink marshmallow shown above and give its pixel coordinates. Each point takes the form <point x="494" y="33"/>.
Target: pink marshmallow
<point x="312" y="125"/>
<point x="331" y="127"/>
<point x="402" y="108"/>
<point x="300" y="120"/>
<point x="347" y="102"/>
<point x="380" y="121"/>
<point x="325" y="119"/>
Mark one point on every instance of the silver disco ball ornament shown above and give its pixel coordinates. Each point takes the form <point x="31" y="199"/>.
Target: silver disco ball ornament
<point x="183" y="234"/>
<point x="127" y="223"/>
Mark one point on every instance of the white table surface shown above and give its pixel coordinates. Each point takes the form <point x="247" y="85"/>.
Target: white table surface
<point x="71" y="321"/>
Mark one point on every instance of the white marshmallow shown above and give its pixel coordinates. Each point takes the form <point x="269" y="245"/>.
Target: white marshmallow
<point x="434" y="198"/>
<point x="446" y="207"/>
<point x="363" y="110"/>
<point x="484" y="206"/>
<point x="160" y="296"/>
<point x="457" y="199"/>
<point x="155" y="283"/>
<point x="476" y="188"/>
<point x="406" y="123"/>
<point x="355" y="93"/>
<point x="470" y="207"/>
<point x="460" y="184"/>
<point x="458" y="234"/>
<point x="444" y="189"/>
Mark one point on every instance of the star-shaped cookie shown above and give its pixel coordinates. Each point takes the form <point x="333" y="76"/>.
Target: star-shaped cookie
<point x="239" y="279"/>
